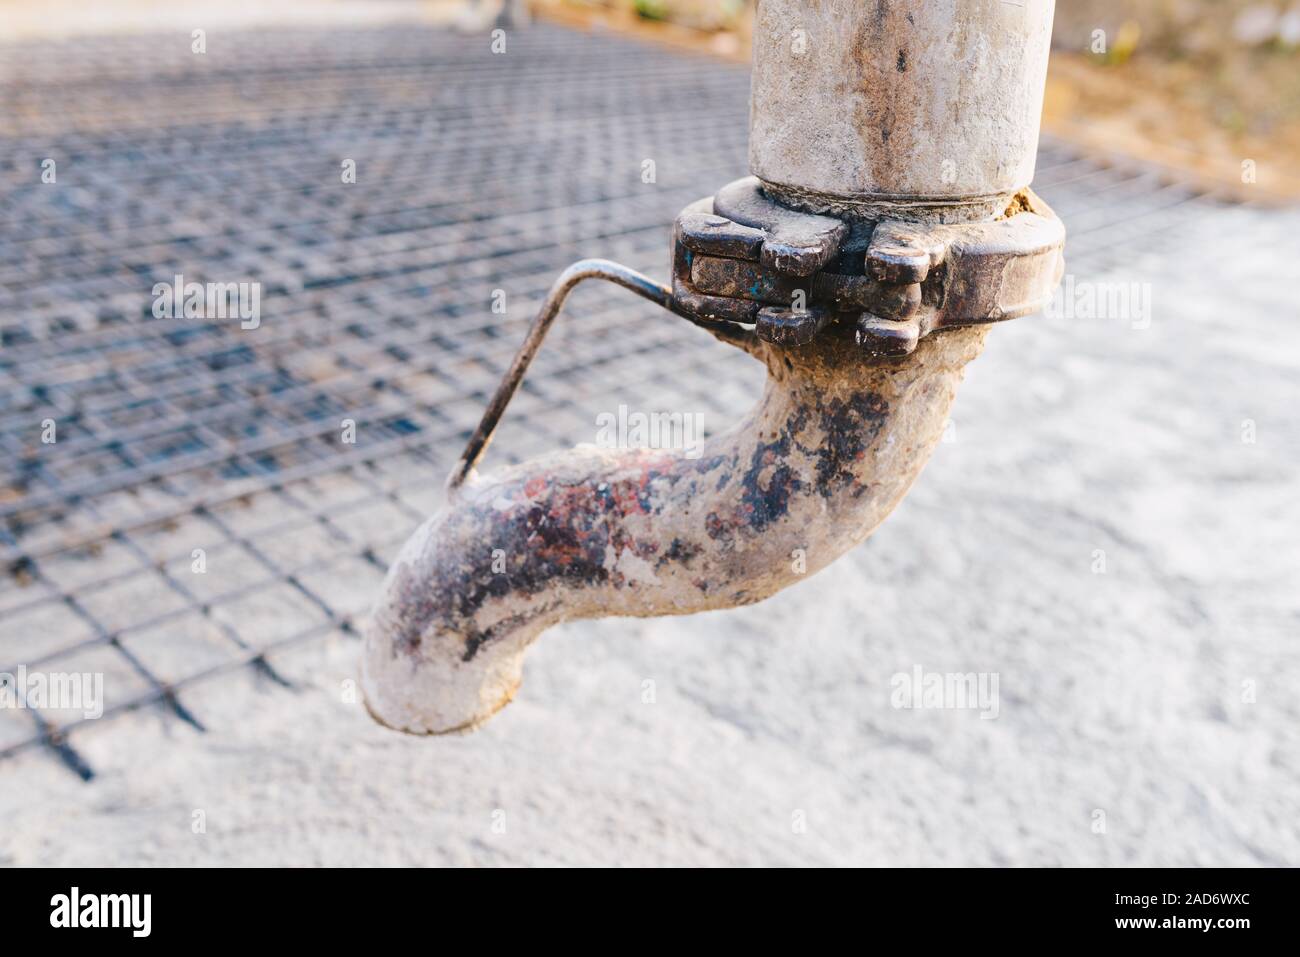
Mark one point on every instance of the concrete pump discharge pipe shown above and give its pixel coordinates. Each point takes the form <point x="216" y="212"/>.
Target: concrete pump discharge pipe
<point x="887" y="223"/>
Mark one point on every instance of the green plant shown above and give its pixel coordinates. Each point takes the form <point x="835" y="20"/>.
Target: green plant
<point x="652" y="9"/>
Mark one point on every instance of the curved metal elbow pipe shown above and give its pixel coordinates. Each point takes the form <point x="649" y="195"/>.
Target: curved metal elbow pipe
<point x="892" y="144"/>
<point x="829" y="451"/>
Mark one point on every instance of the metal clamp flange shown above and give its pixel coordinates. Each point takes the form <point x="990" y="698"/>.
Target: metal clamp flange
<point x="743" y="258"/>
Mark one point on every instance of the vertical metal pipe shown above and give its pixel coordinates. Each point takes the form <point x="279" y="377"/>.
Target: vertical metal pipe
<point x="919" y="109"/>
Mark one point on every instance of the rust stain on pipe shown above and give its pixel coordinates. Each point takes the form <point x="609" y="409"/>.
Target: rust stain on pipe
<point x="906" y="108"/>
<point x="827" y="454"/>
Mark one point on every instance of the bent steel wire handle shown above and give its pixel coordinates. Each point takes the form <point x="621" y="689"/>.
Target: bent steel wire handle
<point x="564" y="284"/>
<point x="620" y="275"/>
